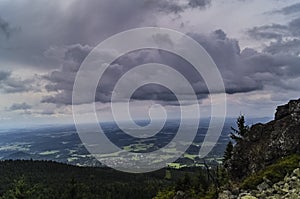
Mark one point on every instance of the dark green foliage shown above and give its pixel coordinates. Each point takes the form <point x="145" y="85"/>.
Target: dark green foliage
<point x="194" y="184"/>
<point x="42" y="179"/>
<point x="223" y="177"/>
<point x="235" y="160"/>
<point x="168" y="175"/>
<point x="184" y="183"/>
<point x="274" y="172"/>
<point x="167" y="193"/>
<point x="228" y="152"/>
<point x="22" y="179"/>
<point x="243" y="129"/>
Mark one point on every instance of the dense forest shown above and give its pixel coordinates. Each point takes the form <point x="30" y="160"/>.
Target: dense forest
<point x="24" y="179"/>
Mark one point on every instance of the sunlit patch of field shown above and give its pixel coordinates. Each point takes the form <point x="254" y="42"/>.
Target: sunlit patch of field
<point x="190" y="156"/>
<point x="72" y="159"/>
<point x="176" y="165"/>
<point x="15" y="147"/>
<point x="49" y="152"/>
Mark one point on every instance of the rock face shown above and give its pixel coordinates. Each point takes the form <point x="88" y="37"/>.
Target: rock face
<point x="266" y="143"/>
<point x="288" y="188"/>
<point x="292" y="108"/>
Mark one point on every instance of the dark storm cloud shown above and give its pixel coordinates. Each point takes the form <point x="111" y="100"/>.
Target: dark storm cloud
<point x="57" y="23"/>
<point x="280" y="58"/>
<point x="237" y="75"/>
<point x="270" y="68"/>
<point x="242" y="71"/>
<point x="62" y="80"/>
<point x="22" y="106"/>
<point x="12" y="84"/>
<point x="53" y="23"/>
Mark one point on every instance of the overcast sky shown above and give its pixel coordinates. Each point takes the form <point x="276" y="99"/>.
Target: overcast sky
<point x="254" y="43"/>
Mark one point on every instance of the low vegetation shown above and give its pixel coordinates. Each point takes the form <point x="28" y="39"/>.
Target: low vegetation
<point x="274" y="172"/>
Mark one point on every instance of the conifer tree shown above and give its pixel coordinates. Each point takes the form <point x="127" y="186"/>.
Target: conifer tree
<point x="228" y="152"/>
<point x="239" y="134"/>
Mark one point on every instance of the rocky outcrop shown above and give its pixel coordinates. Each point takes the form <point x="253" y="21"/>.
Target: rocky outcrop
<point x="288" y="188"/>
<point x="266" y="143"/>
<point x="292" y="108"/>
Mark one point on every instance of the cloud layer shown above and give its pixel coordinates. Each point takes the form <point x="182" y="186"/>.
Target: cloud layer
<point x="22" y="106"/>
<point x="53" y="38"/>
<point x="13" y="84"/>
<point x="243" y="71"/>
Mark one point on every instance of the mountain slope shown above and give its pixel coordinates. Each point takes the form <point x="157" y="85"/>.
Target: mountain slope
<point x="264" y="144"/>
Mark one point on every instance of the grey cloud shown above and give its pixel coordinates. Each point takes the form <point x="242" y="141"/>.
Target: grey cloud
<point x="4" y="75"/>
<point x="199" y="3"/>
<point x="292" y="9"/>
<point x="236" y="72"/>
<point x="59" y="99"/>
<point x="77" y="52"/>
<point x="175" y="6"/>
<point x="294" y="27"/>
<point x="22" y="106"/>
<point x="6" y="28"/>
<point x="167" y="6"/>
<point x="53" y="24"/>
<point x="61" y="81"/>
<point x="17" y="86"/>
<point x="283" y="53"/>
<point x="12" y="84"/>
<point x="56" y="23"/>
<point x="47" y="112"/>
<point x="280" y="57"/>
<point x="242" y="71"/>
<point x="276" y="31"/>
<point x="291" y="47"/>
<point x="220" y="34"/>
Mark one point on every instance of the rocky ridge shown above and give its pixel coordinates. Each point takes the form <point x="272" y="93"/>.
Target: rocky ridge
<point x="266" y="143"/>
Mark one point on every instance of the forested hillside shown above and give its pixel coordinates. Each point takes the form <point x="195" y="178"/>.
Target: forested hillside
<point x="26" y="179"/>
<point x="41" y="179"/>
